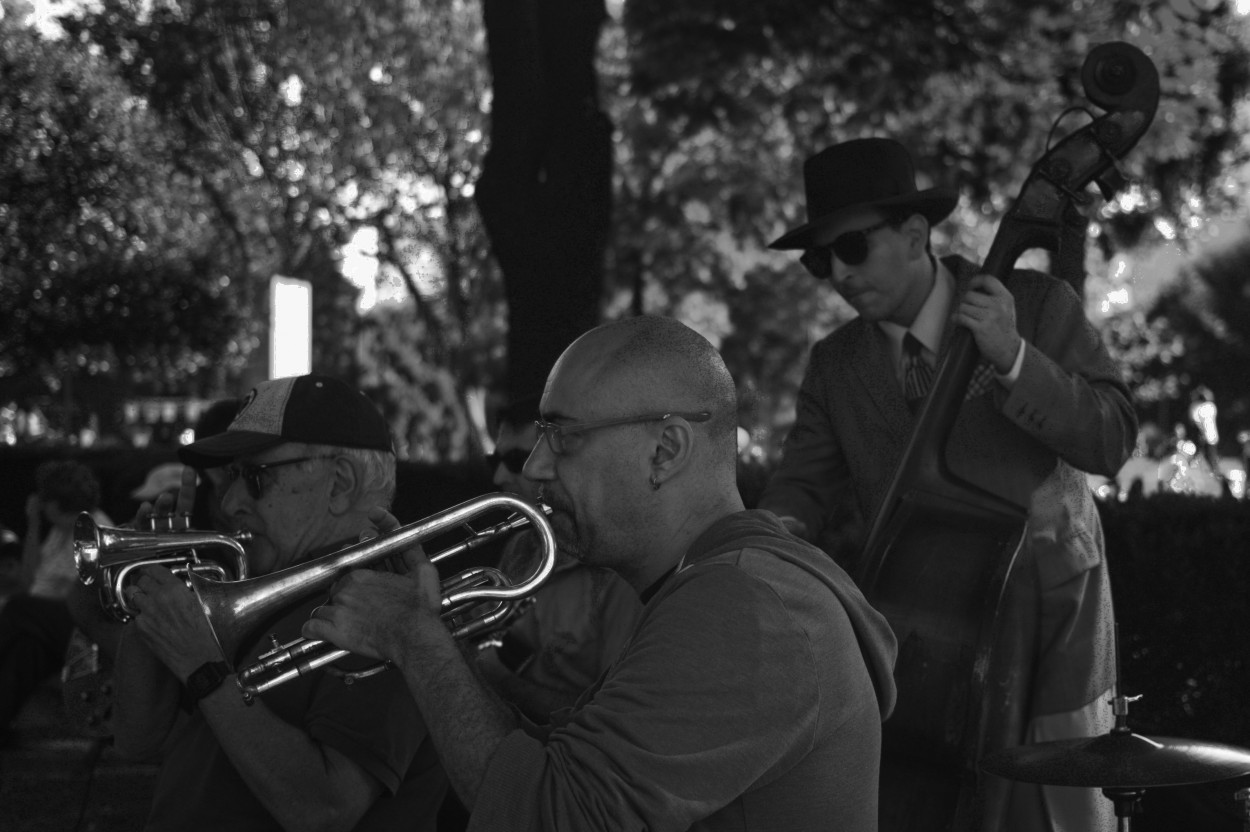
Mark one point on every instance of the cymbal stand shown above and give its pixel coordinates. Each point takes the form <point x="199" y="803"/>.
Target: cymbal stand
<point x="1127" y="800"/>
<point x="1242" y="796"/>
<point x="1127" y="803"/>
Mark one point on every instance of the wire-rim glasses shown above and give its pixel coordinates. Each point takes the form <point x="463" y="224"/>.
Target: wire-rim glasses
<point x="851" y="247"/>
<point x="556" y="434"/>
<point x="251" y="473"/>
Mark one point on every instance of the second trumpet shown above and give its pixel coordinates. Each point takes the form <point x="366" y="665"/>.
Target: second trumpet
<point x="107" y="557"/>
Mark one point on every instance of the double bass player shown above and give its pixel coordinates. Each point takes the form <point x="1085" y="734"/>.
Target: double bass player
<point x="1045" y="404"/>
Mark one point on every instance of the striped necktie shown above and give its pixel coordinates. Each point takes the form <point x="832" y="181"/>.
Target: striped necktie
<point x="917" y="374"/>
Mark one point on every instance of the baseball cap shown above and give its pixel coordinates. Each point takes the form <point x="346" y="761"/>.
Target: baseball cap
<point x="316" y="409"/>
<point x="217" y="417"/>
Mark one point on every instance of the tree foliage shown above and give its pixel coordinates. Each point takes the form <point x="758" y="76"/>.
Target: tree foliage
<point x="106" y="264"/>
<point x="1195" y="333"/>
<point x="972" y="88"/>
<point x="304" y="124"/>
<point x="724" y="99"/>
<point x="257" y="137"/>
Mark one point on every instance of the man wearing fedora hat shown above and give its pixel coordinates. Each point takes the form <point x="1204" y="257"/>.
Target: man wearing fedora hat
<point x="1045" y="404"/>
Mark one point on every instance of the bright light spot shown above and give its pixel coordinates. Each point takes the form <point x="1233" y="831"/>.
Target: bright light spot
<point x="35" y="424"/>
<point x="186" y="437"/>
<point x="1131" y="199"/>
<point x="1165" y="228"/>
<point x="292" y="90"/>
<point x="1114" y="298"/>
<point x="44" y="13"/>
<point x="290" y="327"/>
<point x="1236" y="476"/>
<point x="253" y="162"/>
<point x="428" y="192"/>
<point x="360" y="266"/>
<point x="1243" y="7"/>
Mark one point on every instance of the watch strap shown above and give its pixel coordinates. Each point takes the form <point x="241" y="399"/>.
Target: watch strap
<point x="203" y="680"/>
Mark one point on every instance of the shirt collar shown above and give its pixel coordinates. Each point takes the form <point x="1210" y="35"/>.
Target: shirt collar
<point x="930" y="321"/>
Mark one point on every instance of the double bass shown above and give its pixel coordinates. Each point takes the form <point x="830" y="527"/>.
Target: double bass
<point x="940" y="548"/>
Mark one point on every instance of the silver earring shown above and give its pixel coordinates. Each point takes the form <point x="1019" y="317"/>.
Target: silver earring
<point x="655" y="485"/>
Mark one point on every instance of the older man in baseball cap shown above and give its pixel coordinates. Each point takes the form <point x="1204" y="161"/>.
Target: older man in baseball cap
<point x="309" y="467"/>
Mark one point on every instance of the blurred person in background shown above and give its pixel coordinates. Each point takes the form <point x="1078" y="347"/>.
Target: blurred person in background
<point x="35" y="624"/>
<point x="164" y="477"/>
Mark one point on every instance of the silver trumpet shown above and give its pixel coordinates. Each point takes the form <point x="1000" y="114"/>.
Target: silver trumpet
<point x="107" y="556"/>
<point x="472" y="601"/>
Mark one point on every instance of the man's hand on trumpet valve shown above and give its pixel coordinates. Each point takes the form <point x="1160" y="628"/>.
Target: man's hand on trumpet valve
<point x="169" y="618"/>
<point x="382" y="522"/>
<point x="169" y="512"/>
<point x="171" y="621"/>
<point x="380" y="614"/>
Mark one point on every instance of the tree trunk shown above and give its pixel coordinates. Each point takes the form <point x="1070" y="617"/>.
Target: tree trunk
<point x="545" y="193"/>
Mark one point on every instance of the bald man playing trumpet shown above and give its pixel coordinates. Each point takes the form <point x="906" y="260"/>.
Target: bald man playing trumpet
<point x="751" y="693"/>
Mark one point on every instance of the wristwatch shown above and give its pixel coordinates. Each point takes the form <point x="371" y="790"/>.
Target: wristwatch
<point x="203" y="680"/>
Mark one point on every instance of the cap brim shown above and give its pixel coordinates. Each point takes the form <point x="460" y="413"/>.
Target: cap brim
<point x="220" y="449"/>
<point x="935" y="204"/>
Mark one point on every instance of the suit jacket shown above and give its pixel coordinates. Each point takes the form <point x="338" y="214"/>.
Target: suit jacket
<point x="1068" y="412"/>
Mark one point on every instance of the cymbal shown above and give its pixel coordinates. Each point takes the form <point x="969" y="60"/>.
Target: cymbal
<point x="1119" y="760"/>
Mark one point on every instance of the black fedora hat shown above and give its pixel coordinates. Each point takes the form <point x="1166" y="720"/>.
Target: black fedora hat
<point x="862" y="173"/>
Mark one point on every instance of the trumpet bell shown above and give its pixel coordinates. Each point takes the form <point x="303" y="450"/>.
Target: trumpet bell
<point x="107" y="556"/>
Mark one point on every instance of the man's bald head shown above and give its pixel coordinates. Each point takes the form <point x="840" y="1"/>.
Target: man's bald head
<point x="631" y="468"/>
<point x="658" y="365"/>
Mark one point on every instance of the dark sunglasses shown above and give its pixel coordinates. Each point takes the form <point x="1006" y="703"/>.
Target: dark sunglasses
<point x="513" y="460"/>
<point x="250" y="474"/>
<point x="851" y="247"/>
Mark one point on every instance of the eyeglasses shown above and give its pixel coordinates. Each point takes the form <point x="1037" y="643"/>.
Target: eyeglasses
<point x="513" y="460"/>
<point x="558" y="434"/>
<point x="851" y="247"/>
<point x="250" y="474"/>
